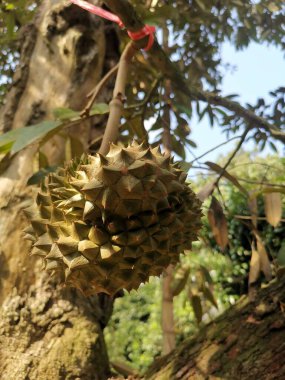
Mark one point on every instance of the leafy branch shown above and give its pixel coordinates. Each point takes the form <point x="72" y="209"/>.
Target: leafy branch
<point x="160" y="59"/>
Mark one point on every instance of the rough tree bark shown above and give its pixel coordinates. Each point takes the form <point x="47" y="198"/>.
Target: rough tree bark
<point x="47" y="331"/>
<point x="247" y="342"/>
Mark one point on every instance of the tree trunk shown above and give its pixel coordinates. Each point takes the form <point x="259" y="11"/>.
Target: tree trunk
<point x="46" y="330"/>
<point x="247" y="342"/>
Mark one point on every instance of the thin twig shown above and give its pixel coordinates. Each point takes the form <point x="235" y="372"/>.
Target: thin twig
<point x="243" y="137"/>
<point x="261" y="183"/>
<point x="117" y="103"/>
<point x="246" y="217"/>
<point x="216" y="147"/>
<point x="257" y="163"/>
<point x="93" y="94"/>
<point x="148" y="96"/>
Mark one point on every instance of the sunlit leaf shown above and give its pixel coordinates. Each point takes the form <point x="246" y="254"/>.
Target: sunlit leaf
<point x="7" y="140"/>
<point x="252" y="205"/>
<point x="264" y="259"/>
<point x="273" y="208"/>
<point x="218" y="223"/>
<point x="180" y="281"/>
<point x="218" y="169"/>
<point x="65" y="113"/>
<point x="254" y="269"/>
<point x="206" y="191"/>
<point x="99" y="109"/>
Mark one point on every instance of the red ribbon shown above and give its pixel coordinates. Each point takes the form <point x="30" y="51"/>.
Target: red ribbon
<point x="147" y="30"/>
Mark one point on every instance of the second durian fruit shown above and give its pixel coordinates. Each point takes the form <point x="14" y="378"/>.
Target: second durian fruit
<point x="110" y="222"/>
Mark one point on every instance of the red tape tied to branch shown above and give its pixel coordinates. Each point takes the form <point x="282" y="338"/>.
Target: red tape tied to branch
<point x="147" y="30"/>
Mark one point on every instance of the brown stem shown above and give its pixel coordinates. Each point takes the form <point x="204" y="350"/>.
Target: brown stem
<point x="243" y="137"/>
<point x="117" y="103"/>
<point x="167" y="323"/>
<point x="214" y="148"/>
<point x="93" y="95"/>
<point x="166" y="135"/>
<point x="249" y="217"/>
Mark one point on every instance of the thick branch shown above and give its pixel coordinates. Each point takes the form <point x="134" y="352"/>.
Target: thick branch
<point x="159" y="58"/>
<point x="245" y="342"/>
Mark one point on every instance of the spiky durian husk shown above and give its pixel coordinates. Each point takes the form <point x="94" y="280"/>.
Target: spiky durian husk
<point x="110" y="222"/>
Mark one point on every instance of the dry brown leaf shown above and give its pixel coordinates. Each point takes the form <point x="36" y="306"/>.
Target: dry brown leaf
<point x="273" y="208"/>
<point x="252" y="205"/>
<point x="197" y="307"/>
<point x="218" y="169"/>
<point x="254" y="270"/>
<point x="180" y="281"/>
<point x="206" y="191"/>
<point x="264" y="259"/>
<point x="218" y="223"/>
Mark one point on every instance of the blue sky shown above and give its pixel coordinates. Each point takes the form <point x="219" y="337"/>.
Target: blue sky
<point x="258" y="70"/>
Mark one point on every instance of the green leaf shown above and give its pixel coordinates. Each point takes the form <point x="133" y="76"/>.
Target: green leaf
<point x="5" y="161"/>
<point x="30" y="135"/>
<point x="180" y="282"/>
<point x="7" y="140"/>
<point x="191" y="143"/>
<point x="272" y="7"/>
<point x="281" y="255"/>
<point x="43" y="161"/>
<point x="178" y="147"/>
<point x="77" y="148"/>
<point x="10" y="23"/>
<point x="197" y="307"/>
<point x="206" y="274"/>
<point x="99" y="109"/>
<point x="5" y="148"/>
<point x="184" y="165"/>
<point x="10" y="7"/>
<point x="183" y="109"/>
<point x="136" y="126"/>
<point x="37" y="178"/>
<point x="65" y="113"/>
<point x="73" y="148"/>
<point x="232" y="96"/>
<point x="201" y="5"/>
<point x="209" y="296"/>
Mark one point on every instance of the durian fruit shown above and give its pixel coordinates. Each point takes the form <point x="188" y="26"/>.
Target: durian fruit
<point x="110" y="222"/>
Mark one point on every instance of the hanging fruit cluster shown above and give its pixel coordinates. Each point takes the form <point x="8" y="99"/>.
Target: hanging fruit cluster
<point x="110" y="222"/>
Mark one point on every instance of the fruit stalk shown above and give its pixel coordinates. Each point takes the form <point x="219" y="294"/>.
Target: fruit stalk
<point x="117" y="103"/>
